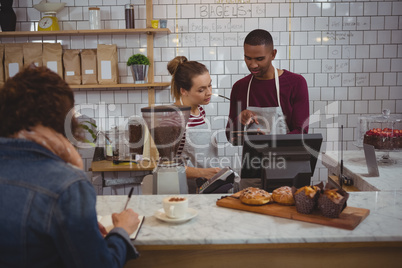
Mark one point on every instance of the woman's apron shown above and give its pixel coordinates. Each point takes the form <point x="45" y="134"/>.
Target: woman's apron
<point x="201" y="147"/>
<point x="271" y="119"/>
<point x="200" y="150"/>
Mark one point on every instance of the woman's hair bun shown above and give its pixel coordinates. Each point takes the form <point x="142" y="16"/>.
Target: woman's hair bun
<point x="175" y="63"/>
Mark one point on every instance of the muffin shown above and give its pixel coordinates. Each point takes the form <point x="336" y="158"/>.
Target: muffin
<point x="332" y="202"/>
<point x="306" y="198"/>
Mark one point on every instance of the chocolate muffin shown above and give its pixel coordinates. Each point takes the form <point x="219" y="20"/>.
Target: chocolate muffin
<point x="332" y="202"/>
<point x="306" y="198"/>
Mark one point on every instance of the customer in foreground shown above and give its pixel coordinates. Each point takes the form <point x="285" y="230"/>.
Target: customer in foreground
<point x="47" y="205"/>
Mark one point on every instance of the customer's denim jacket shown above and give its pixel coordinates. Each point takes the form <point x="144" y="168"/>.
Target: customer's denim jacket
<point x="47" y="213"/>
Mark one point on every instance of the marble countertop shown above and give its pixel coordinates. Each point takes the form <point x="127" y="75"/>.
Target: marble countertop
<point x="218" y="225"/>
<point x="355" y="167"/>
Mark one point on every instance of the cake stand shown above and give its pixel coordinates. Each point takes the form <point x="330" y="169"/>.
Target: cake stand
<point x="383" y="132"/>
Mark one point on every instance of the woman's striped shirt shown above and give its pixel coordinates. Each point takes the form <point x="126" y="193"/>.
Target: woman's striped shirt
<point x="193" y="121"/>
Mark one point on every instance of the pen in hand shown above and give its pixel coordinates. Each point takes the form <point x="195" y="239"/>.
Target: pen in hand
<point x="129" y="197"/>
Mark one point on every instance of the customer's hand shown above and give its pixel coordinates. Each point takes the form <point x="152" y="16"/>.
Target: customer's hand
<point x="248" y="117"/>
<point x="127" y="219"/>
<point x="102" y="229"/>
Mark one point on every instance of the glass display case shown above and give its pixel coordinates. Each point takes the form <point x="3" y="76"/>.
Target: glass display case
<point x="384" y="132"/>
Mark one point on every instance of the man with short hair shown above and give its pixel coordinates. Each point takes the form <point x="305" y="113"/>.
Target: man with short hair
<point x="267" y="90"/>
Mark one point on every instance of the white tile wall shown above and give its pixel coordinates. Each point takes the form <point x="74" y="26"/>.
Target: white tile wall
<point x="350" y="53"/>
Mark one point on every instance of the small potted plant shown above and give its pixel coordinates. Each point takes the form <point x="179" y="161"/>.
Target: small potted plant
<point x="139" y="65"/>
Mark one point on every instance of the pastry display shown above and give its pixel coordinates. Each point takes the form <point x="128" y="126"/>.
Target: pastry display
<point x="332" y="202"/>
<point x="283" y="195"/>
<point x="381" y="131"/>
<point x="255" y="196"/>
<point x="306" y="198"/>
<point x="385" y="139"/>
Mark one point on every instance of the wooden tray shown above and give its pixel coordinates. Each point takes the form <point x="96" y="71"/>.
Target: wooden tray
<point x="349" y="218"/>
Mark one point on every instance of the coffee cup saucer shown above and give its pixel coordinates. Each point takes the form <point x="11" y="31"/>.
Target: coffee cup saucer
<point x="161" y="215"/>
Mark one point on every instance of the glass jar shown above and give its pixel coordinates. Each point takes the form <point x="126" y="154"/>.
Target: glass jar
<point x="94" y="18"/>
<point x="112" y="144"/>
<point x="136" y="135"/>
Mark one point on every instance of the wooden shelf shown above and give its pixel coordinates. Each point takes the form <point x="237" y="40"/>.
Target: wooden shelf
<point x="154" y="84"/>
<point x="104" y="165"/>
<point x="85" y="32"/>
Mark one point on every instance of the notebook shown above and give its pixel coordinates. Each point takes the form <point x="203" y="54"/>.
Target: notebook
<point x="108" y="223"/>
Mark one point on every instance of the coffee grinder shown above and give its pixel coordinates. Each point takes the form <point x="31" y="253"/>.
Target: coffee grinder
<point x="167" y="124"/>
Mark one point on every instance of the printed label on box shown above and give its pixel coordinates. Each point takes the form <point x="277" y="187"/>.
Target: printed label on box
<point x="106" y="69"/>
<point x="13" y="68"/>
<point x="52" y="65"/>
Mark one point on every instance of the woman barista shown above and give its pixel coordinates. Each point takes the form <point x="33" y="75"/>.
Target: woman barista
<point x="191" y="86"/>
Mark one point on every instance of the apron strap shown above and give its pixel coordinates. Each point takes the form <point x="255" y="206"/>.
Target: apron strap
<point x="276" y="85"/>
<point x="248" y="91"/>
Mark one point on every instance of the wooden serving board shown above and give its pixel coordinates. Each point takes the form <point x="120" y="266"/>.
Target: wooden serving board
<point x="349" y="218"/>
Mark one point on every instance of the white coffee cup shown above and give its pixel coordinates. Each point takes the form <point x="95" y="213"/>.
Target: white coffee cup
<point x="175" y="206"/>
